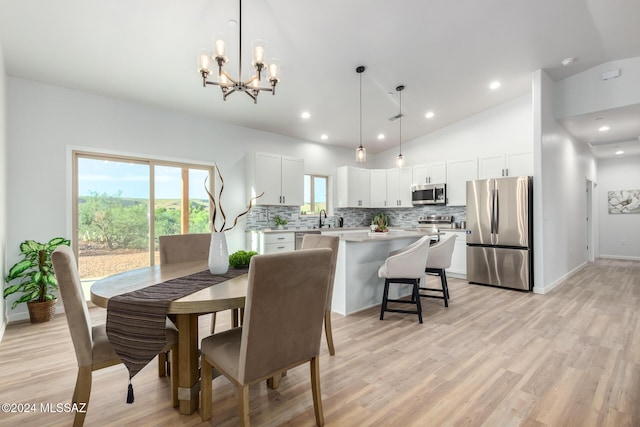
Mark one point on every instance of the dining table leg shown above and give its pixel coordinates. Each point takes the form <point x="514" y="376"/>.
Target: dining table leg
<point x="188" y="378"/>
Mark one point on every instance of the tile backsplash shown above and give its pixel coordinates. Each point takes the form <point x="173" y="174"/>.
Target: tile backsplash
<point x="262" y="216"/>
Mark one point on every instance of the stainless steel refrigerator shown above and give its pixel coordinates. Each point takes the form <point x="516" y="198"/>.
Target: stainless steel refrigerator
<point x="499" y="232"/>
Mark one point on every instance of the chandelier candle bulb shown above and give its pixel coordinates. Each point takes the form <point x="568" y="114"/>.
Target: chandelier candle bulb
<point x="220" y="45"/>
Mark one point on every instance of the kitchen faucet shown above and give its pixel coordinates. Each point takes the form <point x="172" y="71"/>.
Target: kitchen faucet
<point x="320" y="217"/>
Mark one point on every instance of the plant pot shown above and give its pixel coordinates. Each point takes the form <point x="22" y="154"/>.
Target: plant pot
<point x="41" y="311"/>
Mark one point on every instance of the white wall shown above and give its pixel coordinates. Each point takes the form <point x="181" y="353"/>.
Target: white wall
<point x="507" y="128"/>
<point x="586" y="92"/>
<point x="3" y="186"/>
<point x="618" y="233"/>
<point x="561" y="206"/>
<point x="47" y="120"/>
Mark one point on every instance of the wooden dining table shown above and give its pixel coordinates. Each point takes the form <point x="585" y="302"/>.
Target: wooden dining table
<point x="226" y="295"/>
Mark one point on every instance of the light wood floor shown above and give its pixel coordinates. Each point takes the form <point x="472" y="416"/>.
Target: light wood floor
<point x="494" y="358"/>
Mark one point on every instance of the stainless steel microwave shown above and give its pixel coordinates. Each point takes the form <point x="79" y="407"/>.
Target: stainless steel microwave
<point x="429" y="194"/>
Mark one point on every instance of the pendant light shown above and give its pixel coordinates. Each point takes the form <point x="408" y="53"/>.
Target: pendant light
<point x="361" y="152"/>
<point x="400" y="158"/>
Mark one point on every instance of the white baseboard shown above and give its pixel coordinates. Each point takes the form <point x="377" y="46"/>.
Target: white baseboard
<point x="548" y="288"/>
<point x="630" y="258"/>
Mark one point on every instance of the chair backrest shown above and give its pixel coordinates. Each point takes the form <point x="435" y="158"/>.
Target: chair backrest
<point x="409" y="263"/>
<point x="440" y="254"/>
<point x="75" y="305"/>
<point x="184" y="247"/>
<point x="315" y="241"/>
<point x="284" y="311"/>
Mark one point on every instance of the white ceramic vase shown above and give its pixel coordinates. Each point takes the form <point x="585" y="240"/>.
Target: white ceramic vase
<point x="218" y="254"/>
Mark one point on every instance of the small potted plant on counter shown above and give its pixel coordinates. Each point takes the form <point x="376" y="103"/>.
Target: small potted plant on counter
<point x="380" y="222"/>
<point x="280" y="222"/>
<point x="35" y="279"/>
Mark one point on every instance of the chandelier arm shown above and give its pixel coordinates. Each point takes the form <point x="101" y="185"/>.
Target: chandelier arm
<point x="226" y="93"/>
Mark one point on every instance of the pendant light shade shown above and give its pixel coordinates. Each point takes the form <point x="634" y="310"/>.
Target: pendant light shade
<point x="400" y="158"/>
<point x="361" y="152"/>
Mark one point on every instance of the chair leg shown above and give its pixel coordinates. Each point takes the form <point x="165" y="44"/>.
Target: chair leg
<point x="206" y="379"/>
<point x="385" y="295"/>
<point x="243" y="405"/>
<point x="315" y="390"/>
<point x="175" y="363"/>
<point x="81" y="394"/>
<point x="213" y="322"/>
<point x="445" y="289"/>
<point x="274" y="381"/>
<point x="328" y="332"/>
<point x="416" y="297"/>
<point x="162" y="364"/>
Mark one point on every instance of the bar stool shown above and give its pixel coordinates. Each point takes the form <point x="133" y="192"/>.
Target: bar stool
<point x="440" y="259"/>
<point x="405" y="266"/>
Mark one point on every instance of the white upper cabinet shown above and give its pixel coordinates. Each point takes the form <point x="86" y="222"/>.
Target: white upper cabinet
<point x="514" y="164"/>
<point x="378" y="188"/>
<point x="399" y="187"/>
<point x="353" y="187"/>
<point x="280" y="177"/>
<point x="458" y="173"/>
<point x="431" y="173"/>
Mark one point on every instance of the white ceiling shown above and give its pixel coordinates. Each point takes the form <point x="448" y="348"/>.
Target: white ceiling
<point x="445" y="52"/>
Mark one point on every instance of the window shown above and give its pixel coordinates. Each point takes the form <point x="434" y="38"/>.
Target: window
<point x="315" y="194"/>
<point x="114" y="230"/>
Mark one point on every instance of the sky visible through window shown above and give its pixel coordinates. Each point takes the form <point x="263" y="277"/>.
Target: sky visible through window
<point x="132" y="180"/>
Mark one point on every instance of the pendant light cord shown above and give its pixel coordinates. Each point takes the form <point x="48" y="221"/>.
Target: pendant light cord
<point x="360" y="110"/>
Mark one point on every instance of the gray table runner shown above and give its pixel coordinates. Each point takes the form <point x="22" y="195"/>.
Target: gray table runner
<point x="136" y="321"/>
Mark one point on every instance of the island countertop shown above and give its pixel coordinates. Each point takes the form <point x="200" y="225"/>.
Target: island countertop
<point x="368" y="236"/>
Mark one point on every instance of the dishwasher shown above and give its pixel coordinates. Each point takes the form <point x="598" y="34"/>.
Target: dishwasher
<point x="300" y="235"/>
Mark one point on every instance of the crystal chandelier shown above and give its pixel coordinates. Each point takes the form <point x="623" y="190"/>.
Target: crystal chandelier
<point x="229" y="85"/>
<point x="400" y="158"/>
<point x="361" y="152"/>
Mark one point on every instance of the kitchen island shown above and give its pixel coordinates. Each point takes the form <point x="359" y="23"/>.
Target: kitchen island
<point x="360" y="255"/>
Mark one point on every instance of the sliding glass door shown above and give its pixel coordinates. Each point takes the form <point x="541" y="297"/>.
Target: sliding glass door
<point x="114" y="230"/>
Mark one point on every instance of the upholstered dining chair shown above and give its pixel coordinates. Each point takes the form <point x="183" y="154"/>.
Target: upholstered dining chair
<point x="92" y="347"/>
<point x="314" y="241"/>
<point x="284" y="310"/>
<point x="405" y="266"/>
<point x="440" y="259"/>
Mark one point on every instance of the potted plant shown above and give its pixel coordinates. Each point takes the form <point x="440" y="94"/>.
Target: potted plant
<point x="35" y="279"/>
<point x="280" y="222"/>
<point x="381" y="222"/>
<point x="241" y="259"/>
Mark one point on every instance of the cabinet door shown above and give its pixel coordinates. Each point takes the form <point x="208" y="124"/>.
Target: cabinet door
<point x="292" y="181"/>
<point x="491" y="167"/>
<point x="458" y="173"/>
<point x="438" y="172"/>
<point x="378" y="188"/>
<point x="404" y="187"/>
<point x="360" y="187"/>
<point x="520" y="164"/>
<point x="458" y="266"/>
<point x="268" y="178"/>
<point x="393" y="184"/>
<point x="421" y="174"/>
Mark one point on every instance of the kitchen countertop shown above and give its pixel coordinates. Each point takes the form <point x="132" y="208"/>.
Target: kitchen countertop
<point x="352" y="230"/>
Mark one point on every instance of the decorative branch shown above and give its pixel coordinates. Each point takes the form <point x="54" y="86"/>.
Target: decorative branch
<point x="218" y="205"/>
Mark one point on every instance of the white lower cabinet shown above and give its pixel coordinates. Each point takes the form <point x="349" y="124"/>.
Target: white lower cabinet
<point x="270" y="243"/>
<point x="458" y="267"/>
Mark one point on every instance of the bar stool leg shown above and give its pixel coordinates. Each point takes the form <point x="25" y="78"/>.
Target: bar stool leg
<point x="385" y="295"/>
<point x="416" y="297"/>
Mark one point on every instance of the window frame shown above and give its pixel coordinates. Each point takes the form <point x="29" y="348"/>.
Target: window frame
<point x="151" y="163"/>
<point x="312" y="200"/>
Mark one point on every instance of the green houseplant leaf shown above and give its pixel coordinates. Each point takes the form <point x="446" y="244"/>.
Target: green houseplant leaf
<point x="34" y="273"/>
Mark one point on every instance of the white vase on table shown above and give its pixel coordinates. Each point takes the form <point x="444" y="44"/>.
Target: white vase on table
<point x="218" y="254"/>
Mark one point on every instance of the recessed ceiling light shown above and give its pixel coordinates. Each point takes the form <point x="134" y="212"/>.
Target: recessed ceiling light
<point x="381" y="136"/>
<point x="494" y="85"/>
<point x="619" y="152"/>
<point x="568" y="61"/>
<point x="603" y="128"/>
<point x="324" y="137"/>
<point x="232" y="23"/>
<point x="305" y="115"/>
<point x="429" y="115"/>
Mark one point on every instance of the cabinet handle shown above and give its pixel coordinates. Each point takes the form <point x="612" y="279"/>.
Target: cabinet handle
<point x="280" y="247"/>
<point x="284" y="200"/>
<point x="507" y="172"/>
<point x="280" y="238"/>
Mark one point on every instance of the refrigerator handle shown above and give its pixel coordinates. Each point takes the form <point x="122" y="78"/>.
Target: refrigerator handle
<point x="496" y="211"/>
<point x="493" y="214"/>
